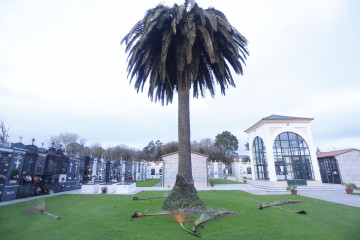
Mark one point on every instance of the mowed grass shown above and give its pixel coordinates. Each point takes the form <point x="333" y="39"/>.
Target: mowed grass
<point x="147" y="182"/>
<point x="105" y="216"/>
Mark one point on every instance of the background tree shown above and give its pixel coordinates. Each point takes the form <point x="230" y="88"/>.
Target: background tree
<point x="228" y="144"/>
<point x="4" y="130"/>
<point x="177" y="49"/>
<point x="247" y="147"/>
<point x="170" y="147"/>
<point x="68" y="141"/>
<point x="207" y="146"/>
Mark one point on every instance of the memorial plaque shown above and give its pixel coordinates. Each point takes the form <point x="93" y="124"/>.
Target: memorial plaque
<point x="5" y="158"/>
<point x="9" y="192"/>
<point x="40" y="164"/>
<point x="16" y="165"/>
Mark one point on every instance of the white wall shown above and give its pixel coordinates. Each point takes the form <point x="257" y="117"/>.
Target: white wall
<point x="349" y="166"/>
<point x="199" y="169"/>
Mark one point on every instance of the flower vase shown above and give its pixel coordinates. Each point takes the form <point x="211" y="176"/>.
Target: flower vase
<point x="349" y="191"/>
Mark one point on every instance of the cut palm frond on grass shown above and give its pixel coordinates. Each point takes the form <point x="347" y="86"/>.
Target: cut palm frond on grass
<point x="275" y="205"/>
<point x="210" y="215"/>
<point x="39" y="207"/>
<point x="181" y="217"/>
<point x="164" y="196"/>
<point x="139" y="214"/>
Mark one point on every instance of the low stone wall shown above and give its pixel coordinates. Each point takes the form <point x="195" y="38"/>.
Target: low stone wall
<point x="111" y="188"/>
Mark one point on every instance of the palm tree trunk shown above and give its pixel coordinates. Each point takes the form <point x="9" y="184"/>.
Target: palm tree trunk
<point x="184" y="167"/>
<point x="184" y="194"/>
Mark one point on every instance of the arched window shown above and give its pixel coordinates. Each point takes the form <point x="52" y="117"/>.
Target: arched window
<point x="260" y="163"/>
<point x="292" y="159"/>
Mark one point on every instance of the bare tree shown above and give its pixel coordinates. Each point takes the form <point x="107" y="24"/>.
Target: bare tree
<point x="4" y="128"/>
<point x="71" y="142"/>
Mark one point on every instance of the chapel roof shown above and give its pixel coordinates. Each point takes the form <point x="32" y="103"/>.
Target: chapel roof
<point x="334" y="153"/>
<point x="277" y="118"/>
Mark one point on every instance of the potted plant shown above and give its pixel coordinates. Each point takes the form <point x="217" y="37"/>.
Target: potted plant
<point x="292" y="189"/>
<point x="244" y="179"/>
<point x="225" y="177"/>
<point x="212" y="182"/>
<point x="349" y="187"/>
<point x="103" y="189"/>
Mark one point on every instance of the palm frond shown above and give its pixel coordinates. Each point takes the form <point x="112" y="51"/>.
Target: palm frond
<point x="39" y="207"/>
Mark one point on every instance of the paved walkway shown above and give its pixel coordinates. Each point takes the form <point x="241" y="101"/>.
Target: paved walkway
<point x="337" y="195"/>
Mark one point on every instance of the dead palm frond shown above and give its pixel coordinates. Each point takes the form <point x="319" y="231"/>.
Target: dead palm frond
<point x="275" y="205"/>
<point x="139" y="214"/>
<point x="39" y="207"/>
<point x="163" y="196"/>
<point x="210" y="215"/>
<point x="181" y="217"/>
<point x="264" y="205"/>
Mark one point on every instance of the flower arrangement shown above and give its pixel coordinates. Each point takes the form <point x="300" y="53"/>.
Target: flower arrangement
<point x="37" y="179"/>
<point x="14" y="175"/>
<point x="104" y="188"/>
<point x="37" y="190"/>
<point x="130" y="177"/>
<point x="28" y="178"/>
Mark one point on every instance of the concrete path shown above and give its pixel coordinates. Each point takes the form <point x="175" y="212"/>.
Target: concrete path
<point x="337" y="195"/>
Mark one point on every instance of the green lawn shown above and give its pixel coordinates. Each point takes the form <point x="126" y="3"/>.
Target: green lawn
<point x="147" y="182"/>
<point x="106" y="216"/>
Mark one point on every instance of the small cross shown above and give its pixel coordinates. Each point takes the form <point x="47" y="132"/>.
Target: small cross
<point x="42" y="145"/>
<point x="33" y="140"/>
<point x="71" y="166"/>
<point x="77" y="165"/>
<point x="21" y="137"/>
<point x="30" y="162"/>
<point x="52" y="144"/>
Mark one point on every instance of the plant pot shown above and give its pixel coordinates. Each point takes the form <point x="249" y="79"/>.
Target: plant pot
<point x="244" y="181"/>
<point x="293" y="192"/>
<point x="103" y="191"/>
<point x="349" y="191"/>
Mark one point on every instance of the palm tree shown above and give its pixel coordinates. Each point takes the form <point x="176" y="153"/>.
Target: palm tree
<point x="177" y="49"/>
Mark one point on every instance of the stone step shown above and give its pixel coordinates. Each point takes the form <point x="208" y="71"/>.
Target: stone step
<point x="299" y="188"/>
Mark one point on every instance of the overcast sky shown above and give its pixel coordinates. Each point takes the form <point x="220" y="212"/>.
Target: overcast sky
<point x="62" y="69"/>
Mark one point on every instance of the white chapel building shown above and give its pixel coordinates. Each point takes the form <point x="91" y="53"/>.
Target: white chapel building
<point x="282" y="152"/>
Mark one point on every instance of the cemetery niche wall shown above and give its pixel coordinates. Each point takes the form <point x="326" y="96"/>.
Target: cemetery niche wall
<point x="26" y="170"/>
<point x="282" y="152"/>
<point x="241" y="168"/>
